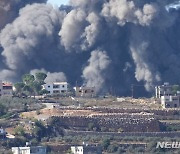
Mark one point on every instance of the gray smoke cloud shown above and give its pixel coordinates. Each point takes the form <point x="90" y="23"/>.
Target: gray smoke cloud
<point x="9" y="9"/>
<point x="37" y="24"/>
<point x="51" y="77"/>
<point x="95" y="71"/>
<point x="126" y="11"/>
<point x="136" y="42"/>
<point x="72" y="27"/>
<point x="55" y="77"/>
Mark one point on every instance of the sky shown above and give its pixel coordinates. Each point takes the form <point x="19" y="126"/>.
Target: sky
<point x="58" y="2"/>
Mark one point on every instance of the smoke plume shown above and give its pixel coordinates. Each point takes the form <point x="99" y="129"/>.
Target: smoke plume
<point x="95" y="71"/>
<point x="107" y="44"/>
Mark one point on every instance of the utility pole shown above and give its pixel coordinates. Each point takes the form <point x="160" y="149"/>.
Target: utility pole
<point x="132" y="89"/>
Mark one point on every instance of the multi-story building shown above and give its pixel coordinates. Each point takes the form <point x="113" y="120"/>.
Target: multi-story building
<point x="6" y="89"/>
<point x="170" y="101"/>
<point x="163" y="90"/>
<point x="85" y="91"/>
<point x="56" y="87"/>
<point x="29" y="150"/>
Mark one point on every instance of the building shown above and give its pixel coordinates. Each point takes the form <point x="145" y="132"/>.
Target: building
<point x="163" y="90"/>
<point x="29" y="150"/>
<point x="56" y="87"/>
<point x="6" y="89"/>
<point x="84" y="91"/>
<point x="2" y="133"/>
<point x="170" y="101"/>
<point x="86" y="149"/>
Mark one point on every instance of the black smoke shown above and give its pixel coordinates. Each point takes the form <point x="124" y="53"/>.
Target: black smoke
<point x="109" y="44"/>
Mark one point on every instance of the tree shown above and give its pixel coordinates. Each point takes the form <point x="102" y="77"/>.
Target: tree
<point x="27" y="89"/>
<point x="40" y="77"/>
<point x="19" y="87"/>
<point x="175" y="88"/>
<point x="43" y="91"/>
<point x="106" y="143"/>
<point x="3" y="109"/>
<point x="36" y="87"/>
<point x="40" y="130"/>
<point x="19" y="130"/>
<point x="28" y="79"/>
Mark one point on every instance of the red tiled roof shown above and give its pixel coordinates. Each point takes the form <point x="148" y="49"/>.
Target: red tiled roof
<point x="7" y="84"/>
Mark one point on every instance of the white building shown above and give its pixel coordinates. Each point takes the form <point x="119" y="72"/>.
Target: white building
<point x="170" y="101"/>
<point x="29" y="150"/>
<point x="86" y="149"/>
<point x="85" y="91"/>
<point x="2" y="133"/>
<point x="6" y="89"/>
<point x="163" y="90"/>
<point x="77" y="149"/>
<point x="56" y="87"/>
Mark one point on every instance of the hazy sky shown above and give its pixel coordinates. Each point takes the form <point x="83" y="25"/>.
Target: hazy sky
<point x="58" y="2"/>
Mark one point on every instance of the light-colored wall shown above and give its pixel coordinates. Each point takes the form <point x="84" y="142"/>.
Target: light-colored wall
<point x="77" y="149"/>
<point x="84" y="91"/>
<point x="27" y="150"/>
<point x="170" y="101"/>
<point x="5" y="92"/>
<point x="62" y="86"/>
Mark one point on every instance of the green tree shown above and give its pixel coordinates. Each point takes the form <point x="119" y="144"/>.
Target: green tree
<point x="28" y="79"/>
<point x="106" y="143"/>
<point x="175" y="88"/>
<point x="27" y="90"/>
<point x="40" y="130"/>
<point x="36" y="87"/>
<point x="3" y="109"/>
<point x="40" y="77"/>
<point x="19" y="87"/>
<point x="43" y="91"/>
<point x="19" y="130"/>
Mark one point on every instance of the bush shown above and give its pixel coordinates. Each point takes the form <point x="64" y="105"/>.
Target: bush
<point x="106" y="143"/>
<point x="112" y="148"/>
<point x="19" y="130"/>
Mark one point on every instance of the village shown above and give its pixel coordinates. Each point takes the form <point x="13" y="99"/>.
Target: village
<point x="57" y="118"/>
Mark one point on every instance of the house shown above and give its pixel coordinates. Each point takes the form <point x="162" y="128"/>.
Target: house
<point x="165" y="96"/>
<point x="86" y="149"/>
<point x="84" y="91"/>
<point x="2" y="133"/>
<point x="170" y="101"/>
<point x="163" y="90"/>
<point x="56" y="87"/>
<point x="6" y="89"/>
<point x="29" y="150"/>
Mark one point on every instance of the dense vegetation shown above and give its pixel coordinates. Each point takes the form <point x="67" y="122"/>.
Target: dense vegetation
<point x="31" y="85"/>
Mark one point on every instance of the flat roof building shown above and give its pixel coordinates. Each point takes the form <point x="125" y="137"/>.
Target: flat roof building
<point x="85" y="91"/>
<point x="29" y="150"/>
<point x="56" y="87"/>
<point x="6" y="89"/>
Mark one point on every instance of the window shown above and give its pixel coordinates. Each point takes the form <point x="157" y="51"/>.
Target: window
<point x="55" y="86"/>
<point x="62" y="91"/>
<point x="56" y="91"/>
<point x="63" y="86"/>
<point x="175" y="105"/>
<point x="167" y="105"/>
<point x="49" y="92"/>
<point x="80" y="91"/>
<point x="48" y="86"/>
<point x="7" y="87"/>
